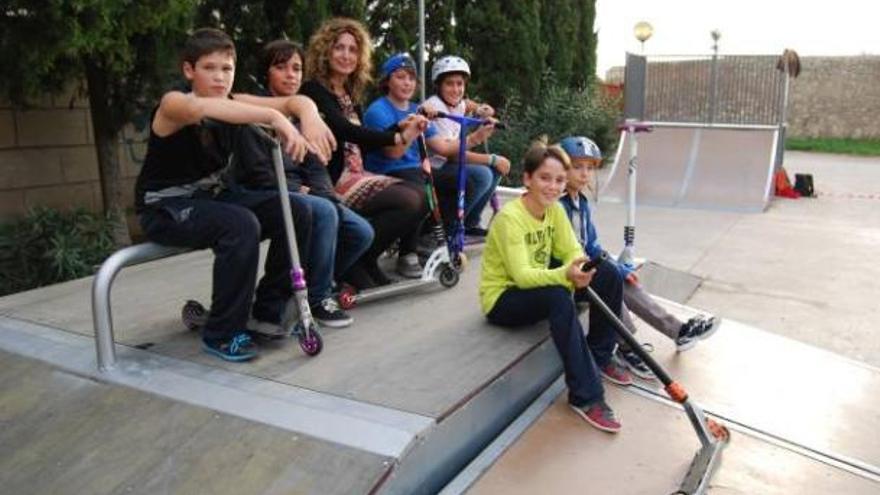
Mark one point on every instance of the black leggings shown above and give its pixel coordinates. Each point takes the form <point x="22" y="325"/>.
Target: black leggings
<point x="395" y="213"/>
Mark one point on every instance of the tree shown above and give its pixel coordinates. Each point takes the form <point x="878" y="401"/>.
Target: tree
<point x="507" y="52"/>
<point x="123" y="50"/>
<point x="559" y="29"/>
<point x="583" y="71"/>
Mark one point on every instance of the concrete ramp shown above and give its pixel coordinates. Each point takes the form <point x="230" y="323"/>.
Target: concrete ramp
<point x="721" y="167"/>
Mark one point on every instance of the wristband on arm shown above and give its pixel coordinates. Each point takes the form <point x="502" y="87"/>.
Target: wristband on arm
<point x="492" y="159"/>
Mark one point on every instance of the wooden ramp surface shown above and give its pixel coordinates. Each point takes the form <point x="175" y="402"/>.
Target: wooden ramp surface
<point x="561" y="454"/>
<point x="422" y="353"/>
<point x="793" y="398"/>
<point x="61" y="433"/>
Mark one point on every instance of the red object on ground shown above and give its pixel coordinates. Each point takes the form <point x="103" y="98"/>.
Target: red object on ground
<point x="783" y="185"/>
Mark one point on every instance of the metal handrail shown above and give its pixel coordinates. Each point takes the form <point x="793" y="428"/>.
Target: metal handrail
<point x="101" y="285"/>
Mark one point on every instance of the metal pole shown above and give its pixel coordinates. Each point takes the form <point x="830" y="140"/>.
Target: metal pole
<point x="422" y="50"/>
<point x="627" y="255"/>
<point x="783" y="117"/>
<point x="713" y="94"/>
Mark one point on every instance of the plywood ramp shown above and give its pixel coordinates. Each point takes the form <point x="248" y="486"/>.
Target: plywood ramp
<point x="561" y="454"/>
<point x="785" y="388"/>
<point x="805" y="421"/>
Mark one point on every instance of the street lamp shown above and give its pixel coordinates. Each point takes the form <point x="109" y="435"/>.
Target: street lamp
<point x="642" y="31"/>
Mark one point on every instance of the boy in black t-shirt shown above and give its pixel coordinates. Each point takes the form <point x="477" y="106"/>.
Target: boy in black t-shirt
<point x="176" y="191"/>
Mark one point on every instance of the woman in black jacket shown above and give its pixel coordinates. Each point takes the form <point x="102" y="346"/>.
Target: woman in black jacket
<point x="338" y="66"/>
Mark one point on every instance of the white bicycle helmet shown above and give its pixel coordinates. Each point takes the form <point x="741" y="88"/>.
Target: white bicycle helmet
<point x="448" y="65"/>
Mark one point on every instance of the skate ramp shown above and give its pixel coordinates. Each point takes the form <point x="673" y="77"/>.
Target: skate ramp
<point x="803" y="420"/>
<point x="396" y="403"/>
<point x="720" y="167"/>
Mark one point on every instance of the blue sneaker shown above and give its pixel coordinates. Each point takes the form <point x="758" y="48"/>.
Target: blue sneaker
<point x="239" y="348"/>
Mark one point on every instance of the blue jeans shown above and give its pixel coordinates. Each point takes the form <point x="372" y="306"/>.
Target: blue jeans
<point x="485" y="179"/>
<point x="339" y="237"/>
<point x="355" y="237"/>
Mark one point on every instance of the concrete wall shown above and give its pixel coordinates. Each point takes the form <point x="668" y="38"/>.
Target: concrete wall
<point x="48" y="158"/>
<point x="832" y="97"/>
<point x="836" y="97"/>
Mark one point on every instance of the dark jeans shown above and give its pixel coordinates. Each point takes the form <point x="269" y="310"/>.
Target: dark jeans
<point x="607" y="283"/>
<point x="276" y="287"/>
<point x="233" y="233"/>
<point x="581" y="358"/>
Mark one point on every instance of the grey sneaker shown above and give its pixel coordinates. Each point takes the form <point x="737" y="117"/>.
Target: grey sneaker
<point x="408" y="266"/>
<point x="698" y="327"/>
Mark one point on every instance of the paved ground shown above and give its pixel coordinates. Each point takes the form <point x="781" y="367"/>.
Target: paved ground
<point x="803" y="269"/>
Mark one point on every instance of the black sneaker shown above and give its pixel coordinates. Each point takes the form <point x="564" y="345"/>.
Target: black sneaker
<point x="635" y="364"/>
<point x="239" y="348"/>
<point x="328" y="314"/>
<point x="698" y="327"/>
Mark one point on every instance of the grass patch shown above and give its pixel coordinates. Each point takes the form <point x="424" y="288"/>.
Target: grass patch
<point x="864" y="147"/>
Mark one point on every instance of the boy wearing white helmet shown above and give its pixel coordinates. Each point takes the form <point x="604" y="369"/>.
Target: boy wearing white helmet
<point x="398" y="83"/>
<point x="450" y="75"/>
<point x="585" y="158"/>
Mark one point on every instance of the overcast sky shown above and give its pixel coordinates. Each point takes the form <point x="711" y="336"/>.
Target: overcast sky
<point x="838" y="27"/>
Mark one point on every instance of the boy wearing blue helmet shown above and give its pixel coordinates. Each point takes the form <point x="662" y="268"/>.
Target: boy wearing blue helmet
<point x="585" y="157"/>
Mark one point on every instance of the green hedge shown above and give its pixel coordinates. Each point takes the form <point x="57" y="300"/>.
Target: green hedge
<point x="49" y="246"/>
<point x="560" y="112"/>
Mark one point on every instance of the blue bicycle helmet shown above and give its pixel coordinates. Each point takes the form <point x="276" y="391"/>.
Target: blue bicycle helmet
<point x="401" y="60"/>
<point x="581" y="147"/>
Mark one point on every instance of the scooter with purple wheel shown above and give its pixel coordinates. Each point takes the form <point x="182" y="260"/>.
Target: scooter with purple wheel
<point x="297" y="320"/>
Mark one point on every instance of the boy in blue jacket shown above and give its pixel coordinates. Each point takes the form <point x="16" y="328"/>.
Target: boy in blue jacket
<point x="586" y="156"/>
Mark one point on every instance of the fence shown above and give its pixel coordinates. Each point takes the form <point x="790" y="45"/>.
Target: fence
<point x="728" y="89"/>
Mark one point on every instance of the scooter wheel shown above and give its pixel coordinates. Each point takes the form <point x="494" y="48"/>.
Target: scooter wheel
<point x="347" y="299"/>
<point x="311" y="344"/>
<point x="448" y="276"/>
<point x="193" y="315"/>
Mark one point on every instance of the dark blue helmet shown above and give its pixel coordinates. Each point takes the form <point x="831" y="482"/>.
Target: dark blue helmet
<point x="581" y="147"/>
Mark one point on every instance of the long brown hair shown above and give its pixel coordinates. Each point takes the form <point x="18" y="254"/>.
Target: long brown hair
<point x="321" y="45"/>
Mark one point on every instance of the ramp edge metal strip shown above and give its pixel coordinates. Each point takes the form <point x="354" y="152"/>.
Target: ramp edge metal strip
<point x="379" y="430"/>
<point x="472" y="472"/>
